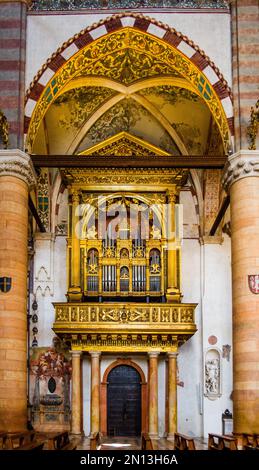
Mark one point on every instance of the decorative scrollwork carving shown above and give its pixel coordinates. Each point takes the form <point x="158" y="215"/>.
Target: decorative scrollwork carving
<point x="4" y="130"/>
<point x="125" y="4"/>
<point x="252" y="129"/>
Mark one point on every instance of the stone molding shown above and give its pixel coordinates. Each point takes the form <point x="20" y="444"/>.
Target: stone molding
<point x="240" y="165"/>
<point x="211" y="240"/>
<point x="27" y="2"/>
<point x="18" y="164"/>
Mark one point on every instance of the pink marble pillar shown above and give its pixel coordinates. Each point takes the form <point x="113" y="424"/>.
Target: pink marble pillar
<point x="153" y="395"/>
<point x="95" y="391"/>
<point x="172" y="395"/>
<point x="76" y="427"/>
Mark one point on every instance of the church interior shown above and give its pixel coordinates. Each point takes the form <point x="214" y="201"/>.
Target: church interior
<point x="129" y="224"/>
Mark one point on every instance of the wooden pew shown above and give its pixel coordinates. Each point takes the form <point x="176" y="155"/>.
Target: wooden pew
<point x="95" y="441"/>
<point x="146" y="443"/>
<point x="35" y="445"/>
<point x="58" y="441"/>
<point x="250" y="441"/>
<point x="219" y="442"/>
<point x="182" y="442"/>
<point x="2" y="439"/>
<point x="13" y="440"/>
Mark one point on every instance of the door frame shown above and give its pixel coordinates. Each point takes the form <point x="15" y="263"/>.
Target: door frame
<point x="103" y="394"/>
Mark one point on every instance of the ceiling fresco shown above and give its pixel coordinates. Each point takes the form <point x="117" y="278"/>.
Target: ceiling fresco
<point x="129" y="116"/>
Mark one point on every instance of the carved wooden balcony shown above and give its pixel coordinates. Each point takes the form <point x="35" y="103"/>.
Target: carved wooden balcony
<point x="131" y="327"/>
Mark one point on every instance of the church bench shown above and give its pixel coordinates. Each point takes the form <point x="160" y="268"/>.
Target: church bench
<point x="71" y="445"/>
<point x="182" y="442"/>
<point x="54" y="440"/>
<point x="34" y="445"/>
<point x="146" y="443"/>
<point x="250" y="441"/>
<point x="95" y="441"/>
<point x="13" y="440"/>
<point x="60" y="441"/>
<point x="219" y="442"/>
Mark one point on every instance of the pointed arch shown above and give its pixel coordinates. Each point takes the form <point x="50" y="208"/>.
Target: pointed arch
<point x="138" y="33"/>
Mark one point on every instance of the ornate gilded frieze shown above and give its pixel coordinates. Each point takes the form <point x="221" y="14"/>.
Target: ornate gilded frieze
<point x="125" y="4"/>
<point x="122" y="176"/>
<point x="125" y="326"/>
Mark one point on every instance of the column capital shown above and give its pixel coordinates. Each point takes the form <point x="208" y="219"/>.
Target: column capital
<point x="171" y="196"/>
<point x="240" y="165"/>
<point x="153" y="354"/>
<point x="75" y="353"/>
<point x="75" y="195"/>
<point x="95" y="353"/>
<point x="172" y="355"/>
<point x="18" y="164"/>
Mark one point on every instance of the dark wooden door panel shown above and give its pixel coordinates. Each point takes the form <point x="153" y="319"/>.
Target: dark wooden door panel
<point x="124" y="402"/>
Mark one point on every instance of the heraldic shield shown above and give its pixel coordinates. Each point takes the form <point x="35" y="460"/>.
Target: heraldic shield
<point x="253" y="281"/>
<point x="5" y="284"/>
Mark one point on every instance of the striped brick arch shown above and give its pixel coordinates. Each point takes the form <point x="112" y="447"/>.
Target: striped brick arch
<point x="140" y="22"/>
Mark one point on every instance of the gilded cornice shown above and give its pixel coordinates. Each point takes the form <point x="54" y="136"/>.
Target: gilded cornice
<point x="18" y="164"/>
<point x="124" y="176"/>
<point x="241" y="165"/>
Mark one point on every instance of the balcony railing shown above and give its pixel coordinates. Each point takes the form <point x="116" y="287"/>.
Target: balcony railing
<point x="124" y="326"/>
<point x="62" y="5"/>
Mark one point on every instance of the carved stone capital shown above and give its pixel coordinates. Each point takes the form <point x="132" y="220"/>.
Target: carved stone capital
<point x="18" y="164"/>
<point x="172" y="355"/>
<point x="153" y="354"/>
<point x="75" y="354"/>
<point x="241" y="165"/>
<point x="95" y="354"/>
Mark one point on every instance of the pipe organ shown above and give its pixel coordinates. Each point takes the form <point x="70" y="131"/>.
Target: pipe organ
<point x="124" y="261"/>
<point x="122" y="246"/>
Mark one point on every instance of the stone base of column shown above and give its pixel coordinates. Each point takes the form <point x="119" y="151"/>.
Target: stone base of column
<point x="153" y="436"/>
<point x="170" y="437"/>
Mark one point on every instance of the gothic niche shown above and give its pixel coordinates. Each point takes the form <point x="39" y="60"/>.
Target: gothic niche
<point x="50" y="375"/>
<point x="212" y="374"/>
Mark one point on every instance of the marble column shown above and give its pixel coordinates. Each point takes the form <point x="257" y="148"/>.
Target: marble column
<point x="173" y="288"/>
<point x="74" y="291"/>
<point x="242" y="180"/>
<point x="95" y="391"/>
<point x="76" y="427"/>
<point x="17" y="177"/>
<point x="153" y="394"/>
<point x="172" y="394"/>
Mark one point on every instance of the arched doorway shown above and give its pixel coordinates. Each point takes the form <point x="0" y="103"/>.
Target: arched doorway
<point x="124" y="401"/>
<point x="104" y="394"/>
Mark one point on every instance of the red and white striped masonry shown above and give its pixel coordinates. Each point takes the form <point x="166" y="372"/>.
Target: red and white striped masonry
<point x="143" y="23"/>
<point x="12" y="67"/>
<point x="245" y="49"/>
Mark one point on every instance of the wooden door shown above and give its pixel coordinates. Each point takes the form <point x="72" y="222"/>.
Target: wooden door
<point x="124" y="402"/>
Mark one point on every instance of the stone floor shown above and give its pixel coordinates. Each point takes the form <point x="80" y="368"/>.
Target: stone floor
<point x="134" y="443"/>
